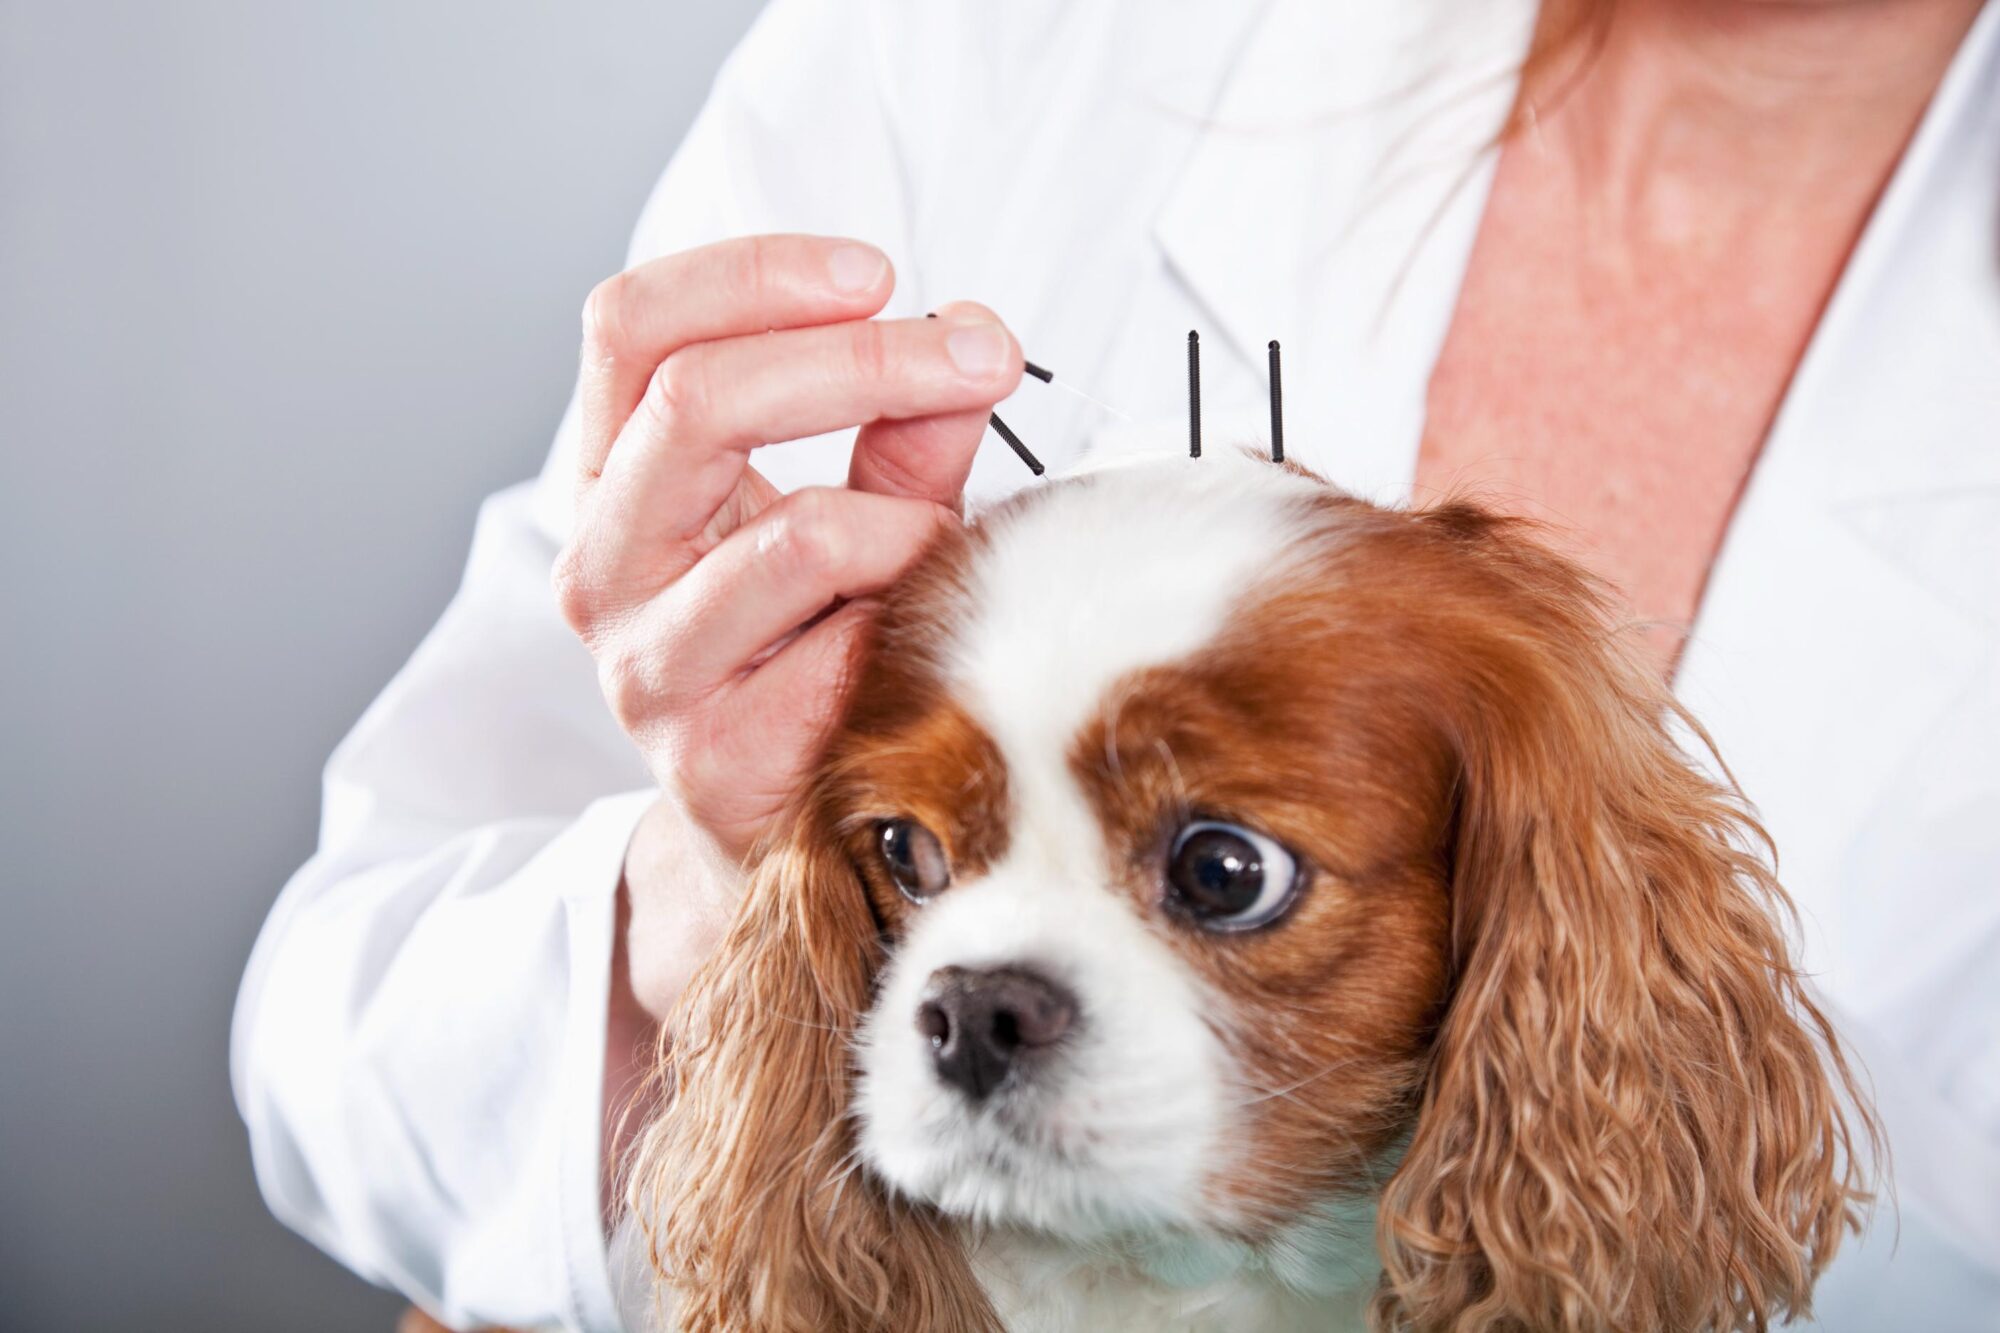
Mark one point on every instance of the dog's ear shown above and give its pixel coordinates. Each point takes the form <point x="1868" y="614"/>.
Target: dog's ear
<point x="1636" y="1118"/>
<point x="757" y="1216"/>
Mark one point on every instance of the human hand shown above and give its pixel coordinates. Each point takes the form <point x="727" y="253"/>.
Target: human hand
<point x="724" y="616"/>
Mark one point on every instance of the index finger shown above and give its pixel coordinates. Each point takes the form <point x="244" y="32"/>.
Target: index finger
<point x="636" y="319"/>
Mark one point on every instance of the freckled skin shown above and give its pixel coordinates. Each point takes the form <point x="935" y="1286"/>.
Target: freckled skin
<point x="1658" y="245"/>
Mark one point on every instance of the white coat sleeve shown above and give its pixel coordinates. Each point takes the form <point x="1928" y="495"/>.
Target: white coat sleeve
<point x="418" y="1042"/>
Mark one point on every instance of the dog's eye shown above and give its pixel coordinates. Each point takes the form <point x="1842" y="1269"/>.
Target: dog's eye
<point x="1227" y="877"/>
<point x="915" y="858"/>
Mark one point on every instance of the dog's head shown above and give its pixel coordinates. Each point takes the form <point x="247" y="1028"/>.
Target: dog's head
<point x="1203" y="848"/>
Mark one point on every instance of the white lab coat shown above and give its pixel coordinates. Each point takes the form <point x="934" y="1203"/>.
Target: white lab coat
<point x="418" y="1044"/>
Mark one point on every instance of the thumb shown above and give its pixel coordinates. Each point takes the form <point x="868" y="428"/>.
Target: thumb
<point x="926" y="458"/>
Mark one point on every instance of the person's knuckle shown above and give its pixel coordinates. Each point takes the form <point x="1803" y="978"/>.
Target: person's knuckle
<point x="677" y="398"/>
<point x="628" y="678"/>
<point x="575" y="587"/>
<point x="756" y="262"/>
<point x="604" y="314"/>
<point x="810" y="537"/>
<point x="870" y="357"/>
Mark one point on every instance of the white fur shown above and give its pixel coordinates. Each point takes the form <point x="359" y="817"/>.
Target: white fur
<point x="1118" y="1133"/>
<point x="1138" y="566"/>
<point x="1091" y="1184"/>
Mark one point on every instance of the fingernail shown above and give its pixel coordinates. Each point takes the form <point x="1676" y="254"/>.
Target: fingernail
<point x="857" y="268"/>
<point x="978" y="350"/>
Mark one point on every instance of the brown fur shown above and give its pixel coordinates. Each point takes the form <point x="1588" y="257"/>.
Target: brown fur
<point x="764" y="1222"/>
<point x="1538" y="946"/>
<point x="1634" y="1118"/>
<point x="757" y="1215"/>
<point x="1284" y="726"/>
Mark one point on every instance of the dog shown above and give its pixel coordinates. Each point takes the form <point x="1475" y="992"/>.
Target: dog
<point x="1226" y="904"/>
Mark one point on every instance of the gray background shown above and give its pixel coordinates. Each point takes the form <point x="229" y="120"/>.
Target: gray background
<point x="284" y="289"/>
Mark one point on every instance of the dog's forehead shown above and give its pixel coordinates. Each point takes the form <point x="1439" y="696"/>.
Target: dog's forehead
<point x="1128" y="566"/>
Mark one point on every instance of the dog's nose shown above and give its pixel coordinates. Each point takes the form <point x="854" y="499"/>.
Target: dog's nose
<point x="982" y="1021"/>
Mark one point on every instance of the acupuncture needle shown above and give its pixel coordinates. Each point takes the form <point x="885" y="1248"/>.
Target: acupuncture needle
<point x="1048" y="377"/>
<point x="1006" y="432"/>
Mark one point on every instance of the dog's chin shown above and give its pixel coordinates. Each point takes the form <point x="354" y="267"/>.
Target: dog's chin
<point x="1025" y="1160"/>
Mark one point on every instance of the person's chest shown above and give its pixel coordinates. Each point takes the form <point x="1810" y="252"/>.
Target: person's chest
<point x="1617" y="386"/>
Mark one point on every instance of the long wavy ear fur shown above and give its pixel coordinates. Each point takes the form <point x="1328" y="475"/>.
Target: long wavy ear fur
<point x="757" y="1216"/>
<point x="1637" y="1119"/>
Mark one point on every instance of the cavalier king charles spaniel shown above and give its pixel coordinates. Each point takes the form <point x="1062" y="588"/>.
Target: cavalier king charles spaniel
<point x="1229" y="905"/>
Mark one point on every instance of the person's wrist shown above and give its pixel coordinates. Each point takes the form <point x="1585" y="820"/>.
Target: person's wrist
<point x="630" y="1037"/>
<point x="683" y="886"/>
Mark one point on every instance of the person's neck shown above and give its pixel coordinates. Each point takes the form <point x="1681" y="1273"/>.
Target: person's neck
<point x="1686" y="120"/>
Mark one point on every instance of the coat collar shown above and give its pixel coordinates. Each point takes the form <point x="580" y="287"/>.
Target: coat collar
<point x="1899" y="389"/>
